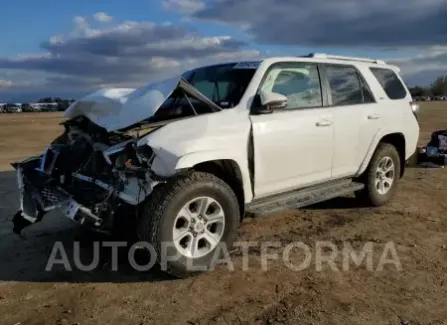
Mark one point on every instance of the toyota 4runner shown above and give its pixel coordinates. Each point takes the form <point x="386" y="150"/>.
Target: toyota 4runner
<point x="184" y="160"/>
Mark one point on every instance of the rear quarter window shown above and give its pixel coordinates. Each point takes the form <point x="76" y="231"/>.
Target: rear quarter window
<point x="390" y="83"/>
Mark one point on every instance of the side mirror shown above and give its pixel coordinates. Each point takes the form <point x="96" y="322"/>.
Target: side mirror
<point x="270" y="101"/>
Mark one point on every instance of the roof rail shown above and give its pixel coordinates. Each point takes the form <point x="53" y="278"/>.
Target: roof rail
<point x="345" y="58"/>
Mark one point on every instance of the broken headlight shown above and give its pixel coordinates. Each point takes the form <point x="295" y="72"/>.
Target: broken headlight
<point x="145" y="154"/>
<point x="112" y="153"/>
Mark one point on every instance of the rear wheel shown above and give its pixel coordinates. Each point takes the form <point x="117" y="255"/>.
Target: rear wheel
<point x="190" y="216"/>
<point x="381" y="177"/>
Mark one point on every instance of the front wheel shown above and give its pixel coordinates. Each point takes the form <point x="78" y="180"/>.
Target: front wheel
<point x="381" y="177"/>
<point x="186" y="219"/>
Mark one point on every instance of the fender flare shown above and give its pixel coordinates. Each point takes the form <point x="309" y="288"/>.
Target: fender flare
<point x="166" y="164"/>
<point x="371" y="149"/>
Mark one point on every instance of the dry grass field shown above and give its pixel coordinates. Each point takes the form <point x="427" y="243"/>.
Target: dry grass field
<point x="26" y="134"/>
<point x="415" y="222"/>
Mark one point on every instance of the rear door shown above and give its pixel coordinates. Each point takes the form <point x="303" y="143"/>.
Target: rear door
<point x="356" y="117"/>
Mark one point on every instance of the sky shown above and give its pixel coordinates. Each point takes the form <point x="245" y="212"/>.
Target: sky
<point x="70" y="48"/>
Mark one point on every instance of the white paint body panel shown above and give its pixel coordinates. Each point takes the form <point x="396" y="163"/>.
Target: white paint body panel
<point x="291" y="150"/>
<point x="115" y="108"/>
<point x="185" y="143"/>
<point x="390" y="117"/>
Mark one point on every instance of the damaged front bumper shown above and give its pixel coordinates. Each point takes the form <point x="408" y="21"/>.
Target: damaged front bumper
<point x="39" y="195"/>
<point x="34" y="202"/>
<point x="84" y="199"/>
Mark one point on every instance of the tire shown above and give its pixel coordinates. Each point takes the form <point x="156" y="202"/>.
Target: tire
<point x="161" y="214"/>
<point x="373" y="194"/>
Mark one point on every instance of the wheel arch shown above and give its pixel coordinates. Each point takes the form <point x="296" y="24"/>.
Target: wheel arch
<point x="397" y="139"/>
<point x="229" y="171"/>
<point x="233" y="161"/>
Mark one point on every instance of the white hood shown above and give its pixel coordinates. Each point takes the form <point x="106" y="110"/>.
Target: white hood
<point x="117" y="108"/>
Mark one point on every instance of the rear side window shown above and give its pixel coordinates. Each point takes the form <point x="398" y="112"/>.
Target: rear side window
<point x="347" y="87"/>
<point x="390" y="83"/>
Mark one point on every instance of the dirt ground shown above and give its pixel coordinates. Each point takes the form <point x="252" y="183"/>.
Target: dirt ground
<point x="415" y="222"/>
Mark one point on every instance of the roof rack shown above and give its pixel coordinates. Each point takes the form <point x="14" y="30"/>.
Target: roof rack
<point x="345" y="58"/>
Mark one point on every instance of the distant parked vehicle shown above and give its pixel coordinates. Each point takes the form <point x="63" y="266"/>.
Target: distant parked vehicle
<point x="12" y="108"/>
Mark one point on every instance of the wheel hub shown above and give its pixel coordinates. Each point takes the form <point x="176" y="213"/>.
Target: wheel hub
<point x="199" y="227"/>
<point x="384" y="175"/>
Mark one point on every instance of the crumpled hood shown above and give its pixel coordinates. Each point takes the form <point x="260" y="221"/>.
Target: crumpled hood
<point x="117" y="108"/>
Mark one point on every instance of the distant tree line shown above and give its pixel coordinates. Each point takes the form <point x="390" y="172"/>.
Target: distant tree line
<point x="437" y="88"/>
<point x="48" y="104"/>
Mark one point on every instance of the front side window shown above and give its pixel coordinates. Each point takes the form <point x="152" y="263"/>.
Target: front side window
<point x="390" y="83"/>
<point x="299" y="82"/>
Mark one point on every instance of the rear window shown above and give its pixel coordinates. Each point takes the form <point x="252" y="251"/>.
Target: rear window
<point x="390" y="83"/>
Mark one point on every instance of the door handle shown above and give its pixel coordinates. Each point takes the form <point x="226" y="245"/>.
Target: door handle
<point x="324" y="123"/>
<point x="374" y="117"/>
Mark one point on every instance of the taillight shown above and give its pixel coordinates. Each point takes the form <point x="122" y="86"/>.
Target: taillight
<point x="415" y="108"/>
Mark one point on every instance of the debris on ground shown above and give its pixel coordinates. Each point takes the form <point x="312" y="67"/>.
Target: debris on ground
<point x="434" y="155"/>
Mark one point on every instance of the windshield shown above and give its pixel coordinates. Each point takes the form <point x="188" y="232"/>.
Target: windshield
<point x="224" y="84"/>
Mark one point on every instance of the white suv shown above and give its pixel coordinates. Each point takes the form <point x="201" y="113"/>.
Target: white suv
<point x="182" y="161"/>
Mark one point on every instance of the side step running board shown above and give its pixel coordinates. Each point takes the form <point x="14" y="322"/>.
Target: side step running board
<point x="302" y="197"/>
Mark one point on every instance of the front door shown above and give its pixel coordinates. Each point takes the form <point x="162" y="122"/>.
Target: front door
<point x="292" y="146"/>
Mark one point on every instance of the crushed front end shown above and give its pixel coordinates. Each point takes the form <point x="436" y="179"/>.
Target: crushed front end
<point x="95" y="168"/>
<point x="87" y="173"/>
